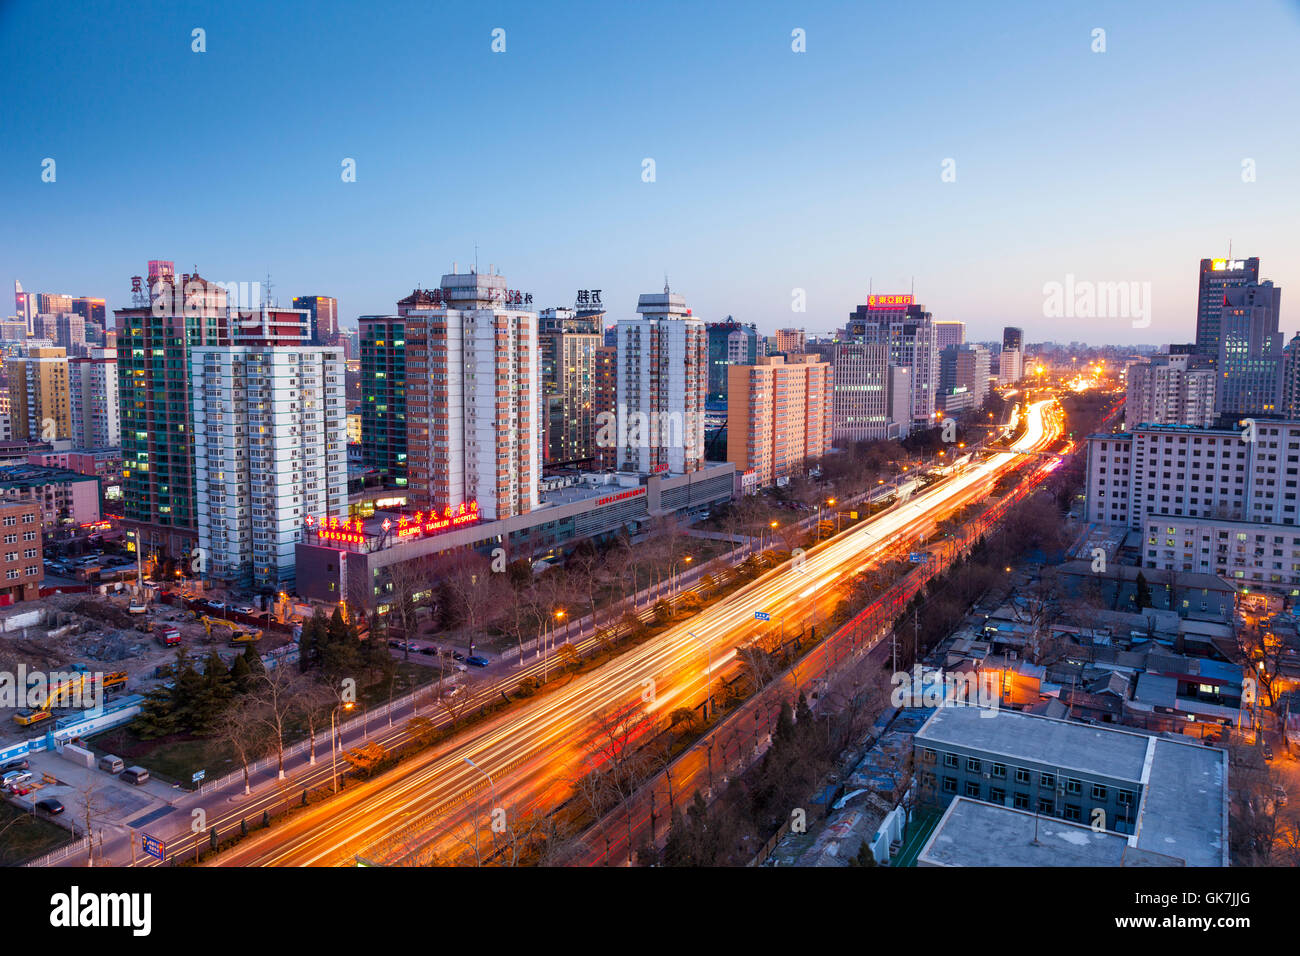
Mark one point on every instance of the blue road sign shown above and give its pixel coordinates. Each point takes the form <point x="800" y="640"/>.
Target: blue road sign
<point x="762" y="616"/>
<point x="154" y="848"/>
<point x="918" y="557"/>
<point x="199" y="775"/>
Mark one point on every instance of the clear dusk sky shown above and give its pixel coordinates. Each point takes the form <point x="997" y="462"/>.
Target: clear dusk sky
<point x="774" y="170"/>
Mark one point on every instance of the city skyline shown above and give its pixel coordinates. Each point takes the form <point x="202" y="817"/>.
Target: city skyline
<point x="829" y="194"/>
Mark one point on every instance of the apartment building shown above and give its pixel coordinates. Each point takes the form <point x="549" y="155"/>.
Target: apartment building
<point x="39" y="401"/>
<point x="93" y="399"/>
<point x="662" y="381"/>
<point x="870" y="398"/>
<point x="271" y="445"/>
<point x="22" y="566"/>
<point x="1171" y="390"/>
<point x="567" y="342"/>
<point x="778" y="415"/>
<point x="383" y="397"/>
<point x="473" y="398"/>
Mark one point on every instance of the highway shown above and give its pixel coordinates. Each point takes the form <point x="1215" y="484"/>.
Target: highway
<point x="536" y="752"/>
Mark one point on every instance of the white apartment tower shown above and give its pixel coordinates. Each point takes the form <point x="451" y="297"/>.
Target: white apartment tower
<point x="1169" y="390"/>
<point x="92" y="381"/>
<point x="473" y="396"/>
<point x="662" y="380"/>
<point x="270" y="445"/>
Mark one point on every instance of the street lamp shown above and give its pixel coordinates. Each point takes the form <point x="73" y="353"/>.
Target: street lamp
<point x="546" y="656"/>
<point x="708" y="683"/>
<point x="334" y="751"/>
<point x="493" y="789"/>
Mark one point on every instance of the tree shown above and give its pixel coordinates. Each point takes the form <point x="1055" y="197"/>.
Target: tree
<point x="1143" y="591"/>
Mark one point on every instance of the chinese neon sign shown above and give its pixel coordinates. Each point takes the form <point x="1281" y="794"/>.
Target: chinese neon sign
<point x="888" y="301"/>
<point x="342" y="532"/>
<point x="432" y="522"/>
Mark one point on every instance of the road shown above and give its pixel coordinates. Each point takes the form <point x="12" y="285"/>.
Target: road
<point x="535" y="753"/>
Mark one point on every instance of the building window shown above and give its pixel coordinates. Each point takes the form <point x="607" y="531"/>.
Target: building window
<point x="997" y="796"/>
<point x="949" y="784"/>
<point x="1073" y="812"/>
<point x="1047" y="780"/>
<point x="950" y="760"/>
<point x="1020" y="800"/>
<point x="1022" y="775"/>
<point x="972" y="789"/>
<point x="1098" y="792"/>
<point x="972" y="765"/>
<point x="1000" y="771"/>
<point x="1073" y="786"/>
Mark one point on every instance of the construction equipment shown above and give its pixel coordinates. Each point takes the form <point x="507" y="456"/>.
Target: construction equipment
<point x="68" y="694"/>
<point x="244" y="635"/>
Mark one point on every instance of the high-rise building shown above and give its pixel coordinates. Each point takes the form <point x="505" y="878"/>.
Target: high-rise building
<point x="662" y="380"/>
<point x="1170" y="390"/>
<point x="1290" y="387"/>
<point x="567" y="341"/>
<point x="25" y="304"/>
<point x="1013" y="338"/>
<point x="52" y="303"/>
<point x="1250" y="351"/>
<point x="96" y="421"/>
<point x="473" y="396"/>
<point x="39" y="405"/>
<point x="730" y="343"/>
<point x="383" y="397"/>
<point x="92" y="310"/>
<point x="169" y="315"/>
<point x="271" y="448"/>
<point x="963" y="377"/>
<point x="1216" y="277"/>
<point x="1011" y="366"/>
<point x="324" y="317"/>
<point x="790" y="341"/>
<point x="949" y="333"/>
<point x="870" y="399"/>
<point x="66" y="330"/>
<point x="903" y="325"/>
<point x="778" y="415"/>
<point x="604" y="405"/>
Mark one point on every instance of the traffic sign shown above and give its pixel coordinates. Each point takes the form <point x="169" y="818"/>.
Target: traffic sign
<point x="154" y="848"/>
<point x="918" y="557"/>
<point x="762" y="616"/>
<point x="198" y="775"/>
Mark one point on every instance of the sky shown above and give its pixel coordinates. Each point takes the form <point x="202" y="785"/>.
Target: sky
<point x="969" y="153"/>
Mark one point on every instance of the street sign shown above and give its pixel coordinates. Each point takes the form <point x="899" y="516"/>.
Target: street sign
<point x="198" y="775"/>
<point x="762" y="616"/>
<point x="918" y="557"/>
<point x="154" y="848"/>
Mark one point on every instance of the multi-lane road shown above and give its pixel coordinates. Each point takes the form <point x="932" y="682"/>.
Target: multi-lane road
<point x="528" y="758"/>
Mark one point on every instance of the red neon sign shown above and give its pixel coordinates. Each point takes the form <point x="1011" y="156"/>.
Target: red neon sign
<point x="888" y="301"/>
<point x="421" y="524"/>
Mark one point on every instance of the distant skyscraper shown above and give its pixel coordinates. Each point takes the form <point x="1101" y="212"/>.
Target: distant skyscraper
<point x="52" y="303"/>
<point x="1290" y="407"/>
<point x="39" y="403"/>
<point x="604" y="403"/>
<point x="1216" y="277"/>
<point x="949" y="333"/>
<point x="1250" y="351"/>
<point x="383" y="396"/>
<point x="25" y="304"/>
<point x="1013" y="338"/>
<point x="1011" y="366"/>
<point x="902" y="324"/>
<point x="730" y="343"/>
<point x="92" y="310"/>
<point x="324" y="317"/>
<point x="662" y="380"/>
<point x="790" y="341"/>
<point x="963" y="371"/>
<point x="870" y="398"/>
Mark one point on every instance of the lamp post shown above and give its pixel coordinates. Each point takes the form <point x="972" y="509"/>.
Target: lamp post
<point x="334" y="750"/>
<point x="708" y="681"/>
<point x="546" y="655"/>
<point x="492" y="787"/>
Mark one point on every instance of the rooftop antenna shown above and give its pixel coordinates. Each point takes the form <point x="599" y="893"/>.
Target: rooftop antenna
<point x="665" y="283"/>
<point x="913" y="287"/>
<point x="1229" y="248"/>
<point x="476" y="258"/>
<point x="266" y="297"/>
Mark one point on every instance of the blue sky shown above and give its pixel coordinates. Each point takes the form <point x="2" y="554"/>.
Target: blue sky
<point x="774" y="170"/>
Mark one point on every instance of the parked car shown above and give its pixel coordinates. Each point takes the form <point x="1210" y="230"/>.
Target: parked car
<point x="460" y="667"/>
<point x="14" y="779"/>
<point x="245" y="609"/>
<point x="50" y="806"/>
<point x="457" y="656"/>
<point x="1268" y="751"/>
<point x="393" y="642"/>
<point x="135" y="775"/>
<point x="21" y="764"/>
<point x="431" y="651"/>
<point x="477" y="661"/>
<point x="217" y="605"/>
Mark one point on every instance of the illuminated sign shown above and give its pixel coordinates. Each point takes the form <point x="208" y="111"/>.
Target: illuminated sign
<point x="432" y="522"/>
<point x="342" y="532"/>
<point x="888" y="301"/>
<point x="620" y="497"/>
<point x="1227" y="265"/>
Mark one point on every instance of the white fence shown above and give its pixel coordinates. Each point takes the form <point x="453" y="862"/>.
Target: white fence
<point x="61" y="854"/>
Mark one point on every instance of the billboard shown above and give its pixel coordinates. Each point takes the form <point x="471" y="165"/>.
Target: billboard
<point x="888" y="301"/>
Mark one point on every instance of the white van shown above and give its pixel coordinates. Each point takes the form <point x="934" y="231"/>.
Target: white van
<point x="110" y="764"/>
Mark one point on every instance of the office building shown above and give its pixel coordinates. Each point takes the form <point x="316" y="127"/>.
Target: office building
<point x="1011" y="366"/>
<point x="25" y="306"/>
<point x="169" y="315"/>
<point x="1250" y="351"/>
<point x="963" y="371"/>
<point x="949" y="333"/>
<point x="870" y="398"/>
<point x="93" y="311"/>
<point x="604" y="406"/>
<point x="778" y="415"/>
<point x="383" y="397"/>
<point x="93" y="399"/>
<point x="1216" y="277"/>
<point x="1013" y="338"/>
<point x="473" y="396"/>
<point x="39" y="405"/>
<point x="907" y="329"/>
<point x="662" y="379"/>
<point x="271" y="445"/>
<point x="323" y="312"/>
<point x="730" y="343"/>
<point x="1026" y="790"/>
<point x="790" y="341"/>
<point x="1171" y="390"/>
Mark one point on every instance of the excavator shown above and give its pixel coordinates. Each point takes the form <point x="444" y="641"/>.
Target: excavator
<point x="239" y="636"/>
<point x="66" y="695"/>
